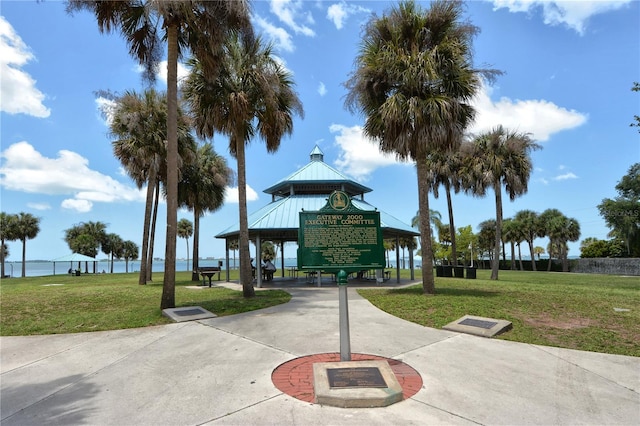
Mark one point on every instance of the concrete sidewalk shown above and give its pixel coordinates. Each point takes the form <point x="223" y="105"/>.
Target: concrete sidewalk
<point x="218" y="372"/>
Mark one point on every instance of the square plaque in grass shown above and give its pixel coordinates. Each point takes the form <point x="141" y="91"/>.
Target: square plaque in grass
<point x="479" y="326"/>
<point x="187" y="313"/>
<point x="355" y="384"/>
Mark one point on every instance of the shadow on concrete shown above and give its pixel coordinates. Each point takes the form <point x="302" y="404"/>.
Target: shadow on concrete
<point x="66" y="400"/>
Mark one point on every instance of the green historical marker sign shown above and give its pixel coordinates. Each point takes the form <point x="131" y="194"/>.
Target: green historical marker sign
<point x="340" y="236"/>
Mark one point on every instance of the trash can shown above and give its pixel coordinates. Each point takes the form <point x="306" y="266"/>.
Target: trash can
<point x="447" y="271"/>
<point x="458" y="271"/>
<point x="471" y="273"/>
<point x="77" y="272"/>
<point x="439" y="271"/>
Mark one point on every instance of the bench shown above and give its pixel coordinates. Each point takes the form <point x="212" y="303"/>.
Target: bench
<point x="208" y="272"/>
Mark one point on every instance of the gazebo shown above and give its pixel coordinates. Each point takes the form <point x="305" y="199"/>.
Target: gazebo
<point x="74" y="257"/>
<point x="308" y="189"/>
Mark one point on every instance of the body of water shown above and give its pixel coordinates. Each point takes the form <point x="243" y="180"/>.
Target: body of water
<point x="42" y="268"/>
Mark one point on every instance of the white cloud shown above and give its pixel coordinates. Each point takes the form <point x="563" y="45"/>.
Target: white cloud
<point x="339" y="12"/>
<point x="81" y="206"/>
<point x="360" y="156"/>
<point x="39" y="206"/>
<point x="231" y="195"/>
<point x="541" y="118"/>
<point x="566" y="176"/>
<point x="322" y="89"/>
<point x="18" y="92"/>
<point x="290" y="13"/>
<point x="26" y="170"/>
<point x="183" y="72"/>
<point x="574" y="14"/>
<point x="280" y="37"/>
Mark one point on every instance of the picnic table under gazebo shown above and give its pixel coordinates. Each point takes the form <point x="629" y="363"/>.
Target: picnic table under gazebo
<point x="74" y="257"/>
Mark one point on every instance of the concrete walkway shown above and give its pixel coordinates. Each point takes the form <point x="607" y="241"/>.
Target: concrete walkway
<point x="218" y="372"/>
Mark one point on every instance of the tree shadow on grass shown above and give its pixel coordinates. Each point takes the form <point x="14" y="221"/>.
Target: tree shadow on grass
<point x="445" y="291"/>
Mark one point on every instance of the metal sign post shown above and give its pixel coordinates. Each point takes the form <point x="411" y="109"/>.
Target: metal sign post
<point x="345" y="338"/>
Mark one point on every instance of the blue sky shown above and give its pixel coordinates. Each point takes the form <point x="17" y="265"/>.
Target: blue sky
<point x="569" y="67"/>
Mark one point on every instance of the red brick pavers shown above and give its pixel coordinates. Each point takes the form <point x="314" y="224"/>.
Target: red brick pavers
<point x="295" y="377"/>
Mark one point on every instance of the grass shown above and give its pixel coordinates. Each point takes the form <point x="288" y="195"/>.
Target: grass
<point x="573" y="311"/>
<point x="39" y="305"/>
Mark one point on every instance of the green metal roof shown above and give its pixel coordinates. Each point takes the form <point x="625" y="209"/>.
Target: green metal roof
<point x="308" y="189"/>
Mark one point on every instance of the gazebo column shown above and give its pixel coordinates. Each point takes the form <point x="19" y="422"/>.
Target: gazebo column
<point x="398" y="258"/>
<point x="226" y="256"/>
<point x="258" y="261"/>
<point x="411" y="264"/>
<point x="282" y="257"/>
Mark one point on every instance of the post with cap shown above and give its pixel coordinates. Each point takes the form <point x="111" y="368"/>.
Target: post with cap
<point x="345" y="341"/>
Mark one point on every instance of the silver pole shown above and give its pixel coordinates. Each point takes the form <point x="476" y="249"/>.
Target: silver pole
<point x="345" y="341"/>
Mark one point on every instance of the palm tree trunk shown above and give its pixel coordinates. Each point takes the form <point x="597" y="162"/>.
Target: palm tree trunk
<point x="520" y="257"/>
<point x="452" y="228"/>
<point x="2" y="258"/>
<point x="428" y="283"/>
<point x="24" y="257"/>
<point x="142" y="279"/>
<point x="196" y="245"/>
<point x="513" y="256"/>
<point x="152" y="233"/>
<point x="550" y="250"/>
<point x="169" y="285"/>
<point x="246" y="278"/>
<point x="533" y="258"/>
<point x="496" y="261"/>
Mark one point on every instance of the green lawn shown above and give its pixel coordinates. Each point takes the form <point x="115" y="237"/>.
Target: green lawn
<point x="556" y="309"/>
<point x="39" y="305"/>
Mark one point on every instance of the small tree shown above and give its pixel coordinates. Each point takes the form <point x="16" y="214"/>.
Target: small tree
<point x="7" y="233"/>
<point x="129" y="252"/>
<point x="26" y="227"/>
<point x="185" y="230"/>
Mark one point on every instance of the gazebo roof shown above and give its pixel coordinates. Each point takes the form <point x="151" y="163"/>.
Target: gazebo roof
<point x="75" y="257"/>
<point x="308" y="189"/>
<point x="317" y="177"/>
<point x="280" y="219"/>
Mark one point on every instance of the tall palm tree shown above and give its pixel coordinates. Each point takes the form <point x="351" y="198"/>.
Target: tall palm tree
<point x="486" y="239"/>
<point x="413" y="81"/>
<point x="185" y="230"/>
<point x="564" y="229"/>
<point x="234" y="245"/>
<point x="26" y="227"/>
<point x="531" y="229"/>
<point x="252" y="96"/>
<point x="444" y="167"/>
<point x="510" y="235"/>
<point x="497" y="158"/>
<point x="202" y="189"/>
<point x="199" y="26"/>
<point x="139" y="126"/>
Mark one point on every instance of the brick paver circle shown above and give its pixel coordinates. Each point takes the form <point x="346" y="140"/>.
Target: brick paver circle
<point x="295" y="377"/>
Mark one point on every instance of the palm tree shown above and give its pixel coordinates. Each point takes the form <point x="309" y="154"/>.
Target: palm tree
<point x="253" y="95"/>
<point x="234" y="245"/>
<point x="185" y="230"/>
<point x="531" y="229"/>
<point x="564" y="229"/>
<point x="413" y="82"/>
<point x="444" y="167"/>
<point x="202" y="189"/>
<point x="538" y="251"/>
<point x="496" y="158"/>
<point x="486" y="239"/>
<point x="139" y="125"/>
<point x="113" y="245"/>
<point x="26" y="227"/>
<point x="198" y="26"/>
<point x="7" y="233"/>
<point x="547" y="221"/>
<point x="129" y="252"/>
<point x="510" y="235"/>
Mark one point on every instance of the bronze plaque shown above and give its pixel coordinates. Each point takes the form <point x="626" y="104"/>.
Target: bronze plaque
<point x="357" y="377"/>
